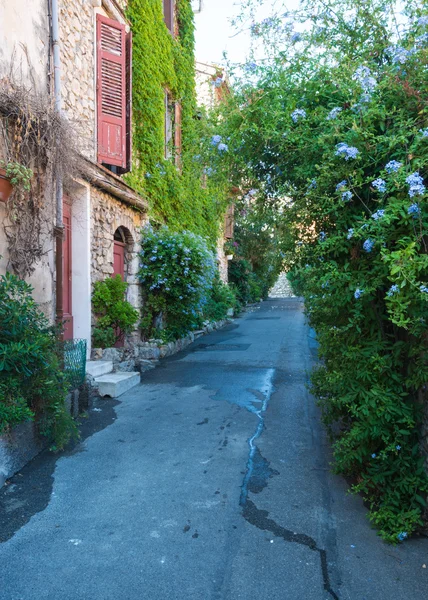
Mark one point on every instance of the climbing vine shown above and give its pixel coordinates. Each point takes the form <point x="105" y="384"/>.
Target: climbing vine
<point x="180" y="195"/>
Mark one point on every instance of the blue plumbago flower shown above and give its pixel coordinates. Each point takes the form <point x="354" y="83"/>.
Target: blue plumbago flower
<point x="368" y="245"/>
<point x="222" y="147"/>
<point x="147" y="175"/>
<point x="197" y="157"/>
<point x="208" y="171"/>
<point x="341" y="185"/>
<point x="393" y="166"/>
<point x="346" y="196"/>
<point x="378" y="214"/>
<point x="424" y="289"/>
<point x="325" y="285"/>
<point x="416" y="184"/>
<point x="312" y="185"/>
<point x="424" y="132"/>
<point x="398" y="54"/>
<point x="322" y="236"/>
<point x="413" y="209"/>
<point x="358" y="293"/>
<point x="373" y="455"/>
<point x="217" y="82"/>
<point x="402" y="536"/>
<point x="350" y="233"/>
<point x="334" y="113"/>
<point x="398" y="447"/>
<point x="379" y="184"/>
<point x="296" y="37"/>
<point x="298" y="114"/>
<point x="421" y="40"/>
<point x="364" y="77"/>
<point x="394" y="289"/>
<point x="250" y="66"/>
<point x="215" y="140"/>
<point x="346" y="151"/>
<point x="422" y="21"/>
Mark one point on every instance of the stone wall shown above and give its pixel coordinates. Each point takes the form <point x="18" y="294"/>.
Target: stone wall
<point x="108" y="214"/>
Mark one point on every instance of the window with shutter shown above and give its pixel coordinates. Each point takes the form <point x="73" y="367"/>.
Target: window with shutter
<point x="177" y="135"/>
<point x="111" y="92"/>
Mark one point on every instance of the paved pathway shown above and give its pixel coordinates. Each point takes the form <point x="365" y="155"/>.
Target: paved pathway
<point x="282" y="288"/>
<point x="208" y="482"/>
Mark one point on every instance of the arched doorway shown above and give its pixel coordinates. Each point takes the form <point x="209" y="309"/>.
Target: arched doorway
<point x="122" y="247"/>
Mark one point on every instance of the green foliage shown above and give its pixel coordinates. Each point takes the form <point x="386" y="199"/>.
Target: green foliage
<point x="19" y="175"/>
<point x="177" y="271"/>
<point x="220" y="299"/>
<point x="32" y="384"/>
<point x="354" y="230"/>
<point x="176" y="192"/>
<point x="115" y="316"/>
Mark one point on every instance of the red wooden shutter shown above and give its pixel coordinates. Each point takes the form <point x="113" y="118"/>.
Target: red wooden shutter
<point x="111" y="92"/>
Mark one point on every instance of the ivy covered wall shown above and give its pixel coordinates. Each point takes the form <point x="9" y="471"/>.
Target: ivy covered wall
<point x="182" y="198"/>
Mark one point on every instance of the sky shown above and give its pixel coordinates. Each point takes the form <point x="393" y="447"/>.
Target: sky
<point x="215" y="34"/>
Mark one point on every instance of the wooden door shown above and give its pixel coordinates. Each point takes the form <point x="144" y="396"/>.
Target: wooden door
<point x="119" y="269"/>
<point x="67" y="277"/>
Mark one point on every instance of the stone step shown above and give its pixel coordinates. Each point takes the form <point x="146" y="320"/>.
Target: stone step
<point x="116" y="384"/>
<point x="96" y="368"/>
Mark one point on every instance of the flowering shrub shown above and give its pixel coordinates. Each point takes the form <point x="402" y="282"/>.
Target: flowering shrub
<point x="176" y="271"/>
<point x="359" y="258"/>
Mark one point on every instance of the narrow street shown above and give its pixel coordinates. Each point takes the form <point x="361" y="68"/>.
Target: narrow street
<point x="210" y="481"/>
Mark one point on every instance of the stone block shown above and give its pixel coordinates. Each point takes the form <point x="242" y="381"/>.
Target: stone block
<point x="116" y="384"/>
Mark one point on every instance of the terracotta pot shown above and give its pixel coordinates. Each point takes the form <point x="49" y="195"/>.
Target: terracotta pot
<point x="5" y="186"/>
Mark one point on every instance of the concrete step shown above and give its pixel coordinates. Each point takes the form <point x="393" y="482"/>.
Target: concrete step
<point x="96" y="368"/>
<point x="116" y="384"/>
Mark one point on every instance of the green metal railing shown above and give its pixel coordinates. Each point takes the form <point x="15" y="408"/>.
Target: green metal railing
<point x="73" y="356"/>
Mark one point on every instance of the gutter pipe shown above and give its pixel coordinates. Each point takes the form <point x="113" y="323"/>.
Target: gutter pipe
<point x="59" y="225"/>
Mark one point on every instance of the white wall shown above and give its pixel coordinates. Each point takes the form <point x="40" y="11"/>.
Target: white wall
<point x="81" y="262"/>
<point x="24" y="35"/>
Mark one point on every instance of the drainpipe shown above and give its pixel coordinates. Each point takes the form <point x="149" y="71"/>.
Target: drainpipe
<point x="59" y="225"/>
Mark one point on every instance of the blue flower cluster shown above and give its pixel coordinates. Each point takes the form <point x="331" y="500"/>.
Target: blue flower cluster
<point x="413" y="209"/>
<point x="215" y="140"/>
<point x="334" y="113"/>
<point x="424" y="132"/>
<point x="364" y="77"/>
<point x="341" y="185"/>
<point x="402" y="536"/>
<point x="298" y="114"/>
<point x="218" y="82"/>
<point x="350" y="233"/>
<point x="416" y="185"/>
<point x="380" y="185"/>
<point x="378" y="214"/>
<point x="346" y="196"/>
<point x="393" y="166"/>
<point x="357" y="294"/>
<point x="346" y="151"/>
<point x="368" y="245"/>
<point x="424" y="289"/>
<point x="394" y="289"/>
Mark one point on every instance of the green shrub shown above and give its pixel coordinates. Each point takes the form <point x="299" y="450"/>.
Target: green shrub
<point x="115" y="316"/>
<point x="220" y="299"/>
<point x="177" y="271"/>
<point x="340" y="130"/>
<point x="32" y="383"/>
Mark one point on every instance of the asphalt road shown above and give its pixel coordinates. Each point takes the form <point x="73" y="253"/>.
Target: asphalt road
<point x="210" y="481"/>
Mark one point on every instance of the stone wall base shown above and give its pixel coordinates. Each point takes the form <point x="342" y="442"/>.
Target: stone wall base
<point x="23" y="443"/>
<point x="143" y="356"/>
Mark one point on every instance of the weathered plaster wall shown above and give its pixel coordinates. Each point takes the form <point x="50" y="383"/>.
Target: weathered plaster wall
<point x="24" y="47"/>
<point x="222" y="260"/>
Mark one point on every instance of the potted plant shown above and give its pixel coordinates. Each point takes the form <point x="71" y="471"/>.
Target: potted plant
<point x="13" y="174"/>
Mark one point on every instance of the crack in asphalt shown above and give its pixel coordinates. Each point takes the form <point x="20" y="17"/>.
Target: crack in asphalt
<point x="256" y="479"/>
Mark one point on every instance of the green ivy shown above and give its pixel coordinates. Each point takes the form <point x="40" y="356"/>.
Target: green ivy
<point x="115" y="316"/>
<point x="160" y="61"/>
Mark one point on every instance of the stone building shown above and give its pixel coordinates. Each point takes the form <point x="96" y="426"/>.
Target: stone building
<point x="102" y="215"/>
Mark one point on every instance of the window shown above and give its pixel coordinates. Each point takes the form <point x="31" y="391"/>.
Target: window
<point x="229" y="222"/>
<point x="168" y="14"/>
<point x="114" y="48"/>
<point x="172" y="130"/>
